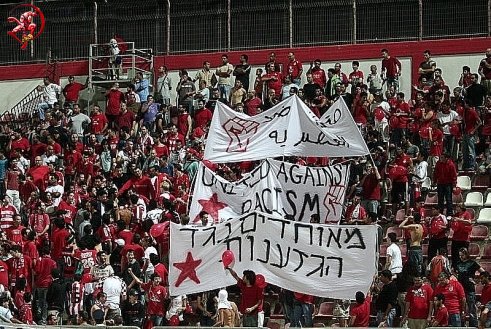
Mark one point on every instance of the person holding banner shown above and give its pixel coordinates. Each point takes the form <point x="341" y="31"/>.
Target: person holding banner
<point x="251" y="299"/>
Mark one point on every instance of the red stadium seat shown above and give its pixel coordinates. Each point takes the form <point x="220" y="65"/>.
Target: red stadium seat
<point x="474" y="250"/>
<point x="325" y="312"/>
<point x="481" y="182"/>
<point x="431" y="199"/>
<point x="479" y="233"/>
<point x="394" y="229"/>
<point x="486" y="252"/>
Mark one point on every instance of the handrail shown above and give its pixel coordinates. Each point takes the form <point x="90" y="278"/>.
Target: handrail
<point x="24" y="111"/>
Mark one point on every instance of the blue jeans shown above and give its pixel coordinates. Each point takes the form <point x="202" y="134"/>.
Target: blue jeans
<point x="156" y="320"/>
<point x="469" y="152"/>
<point x="454" y="320"/>
<point x="42" y="306"/>
<point x="390" y="317"/>
<point x="470" y="298"/>
<point x="42" y="107"/>
<point x="302" y="316"/>
<point x="445" y="195"/>
<point x="224" y="91"/>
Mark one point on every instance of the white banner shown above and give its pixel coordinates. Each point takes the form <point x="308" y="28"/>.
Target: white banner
<point x="339" y="121"/>
<point x="288" y="129"/>
<point x="321" y="260"/>
<point x="274" y="187"/>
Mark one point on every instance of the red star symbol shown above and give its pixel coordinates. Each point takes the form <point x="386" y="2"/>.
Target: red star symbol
<point x="188" y="269"/>
<point x="211" y="206"/>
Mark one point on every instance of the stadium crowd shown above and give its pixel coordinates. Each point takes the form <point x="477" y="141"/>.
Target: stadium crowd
<point x="82" y="188"/>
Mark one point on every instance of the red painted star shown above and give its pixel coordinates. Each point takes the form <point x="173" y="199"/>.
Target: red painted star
<point x="188" y="269"/>
<point x="211" y="206"/>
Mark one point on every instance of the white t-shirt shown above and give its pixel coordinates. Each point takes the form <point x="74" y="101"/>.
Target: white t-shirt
<point x="50" y="92"/>
<point x="54" y="189"/>
<point x="446" y="118"/>
<point x="396" y="258"/>
<point x="421" y="170"/>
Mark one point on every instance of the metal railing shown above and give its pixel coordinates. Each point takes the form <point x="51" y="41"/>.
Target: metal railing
<point x="24" y="111"/>
<point x="190" y="26"/>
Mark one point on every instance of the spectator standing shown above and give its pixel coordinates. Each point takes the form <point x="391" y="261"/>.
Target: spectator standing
<point x="437" y="232"/>
<point x="485" y="71"/>
<point x="43" y="279"/>
<point x="164" y="87"/>
<point x="441" y="312"/>
<point x="142" y="86"/>
<point x="461" y="225"/>
<point x="114" y="98"/>
<point x="387" y="300"/>
<point x="415" y="252"/>
<point x="391" y="69"/>
<point x="470" y="123"/>
<point x="55" y="296"/>
<point x="454" y="299"/>
<point x="318" y="74"/>
<point x="427" y="68"/>
<point x="133" y="310"/>
<point x="394" y="256"/>
<point x="418" y="299"/>
<point x="466" y="270"/>
<point x="273" y="80"/>
<point x="242" y="71"/>
<point x="360" y="313"/>
<point x="445" y="178"/>
<point x="224" y="73"/>
<point x="185" y="91"/>
<point x="294" y="69"/>
<point x="251" y="297"/>
<point x="72" y="90"/>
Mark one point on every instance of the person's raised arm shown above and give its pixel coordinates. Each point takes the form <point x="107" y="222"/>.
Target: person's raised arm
<point x="234" y="274"/>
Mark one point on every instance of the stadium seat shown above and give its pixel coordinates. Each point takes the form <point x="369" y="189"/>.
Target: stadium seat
<point x="481" y="182"/>
<point x="464" y="182"/>
<point x="395" y="229"/>
<point x="325" y="312"/>
<point x="400" y="215"/>
<point x="486" y="252"/>
<point x="383" y="250"/>
<point x="486" y="266"/>
<point x="479" y="290"/>
<point x="479" y="233"/>
<point x="484" y="216"/>
<point x="474" y="250"/>
<point x="488" y="200"/>
<point x="457" y="198"/>
<point x="273" y="325"/>
<point x="431" y="199"/>
<point x="425" y="249"/>
<point x="474" y="199"/>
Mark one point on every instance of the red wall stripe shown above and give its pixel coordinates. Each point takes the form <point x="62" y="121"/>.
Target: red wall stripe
<point x="412" y="49"/>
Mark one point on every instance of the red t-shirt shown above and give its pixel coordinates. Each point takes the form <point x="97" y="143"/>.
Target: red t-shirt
<point x="293" y="69"/>
<point x="98" y="123"/>
<point x="19" y="144"/>
<point x="249" y="296"/>
<point x="14" y="234"/>
<point x="486" y="294"/>
<point x="454" y="293"/>
<point x="114" y="99"/>
<point x="72" y="90"/>
<point x="362" y="313"/>
<point x="202" y="118"/>
<point x="277" y="84"/>
<point x="4" y="274"/>
<point x="252" y="105"/>
<point x="126" y="119"/>
<point x="471" y="118"/>
<point x="70" y="211"/>
<point x="87" y="258"/>
<point x="69" y="262"/>
<point x="162" y="271"/>
<point x="441" y="316"/>
<point x="319" y="77"/>
<point x="436" y="147"/>
<point x="438" y="227"/>
<point x="127" y="236"/>
<point x="371" y="188"/>
<point x="58" y="239"/>
<point x="461" y="230"/>
<point x="419" y="301"/>
<point x="156" y="296"/>
<point x="43" y="272"/>
<point x="391" y="65"/>
<point x="402" y="108"/>
<point x="39" y="222"/>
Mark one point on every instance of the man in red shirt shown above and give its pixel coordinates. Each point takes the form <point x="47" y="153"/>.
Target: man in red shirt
<point x="14" y="233"/>
<point x="7" y="213"/>
<point x="72" y="90"/>
<point x="437" y="232"/>
<point x="273" y="80"/>
<point x="156" y="295"/>
<point x="470" y="122"/>
<point x="43" y="279"/>
<point x="140" y="184"/>
<point x="17" y="143"/>
<point x="485" y="300"/>
<point x="114" y="99"/>
<point x="461" y="226"/>
<point x="252" y="103"/>
<point x="19" y="266"/>
<point x="251" y="299"/>
<point x="59" y="238"/>
<point x="441" y="312"/>
<point x="294" y="69"/>
<point x="445" y="178"/>
<point x="360" y="313"/>
<point x="99" y="123"/>
<point x="454" y="299"/>
<point x="400" y="112"/>
<point x="202" y="115"/>
<point x="418" y="299"/>
<point x="391" y="69"/>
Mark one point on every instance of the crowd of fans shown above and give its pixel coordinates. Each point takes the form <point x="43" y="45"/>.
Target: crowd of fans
<point x="81" y="189"/>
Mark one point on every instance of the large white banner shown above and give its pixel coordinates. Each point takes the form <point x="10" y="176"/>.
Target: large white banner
<point x="288" y="129"/>
<point x="321" y="260"/>
<point x="274" y="187"/>
<point x="339" y="121"/>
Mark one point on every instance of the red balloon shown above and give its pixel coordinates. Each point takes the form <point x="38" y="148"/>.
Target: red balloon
<point x="174" y="321"/>
<point x="261" y="281"/>
<point x="379" y="114"/>
<point x="158" y="229"/>
<point x="396" y="172"/>
<point x="228" y="258"/>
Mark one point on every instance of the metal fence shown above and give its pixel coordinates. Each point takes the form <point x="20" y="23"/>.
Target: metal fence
<point x="189" y="26"/>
